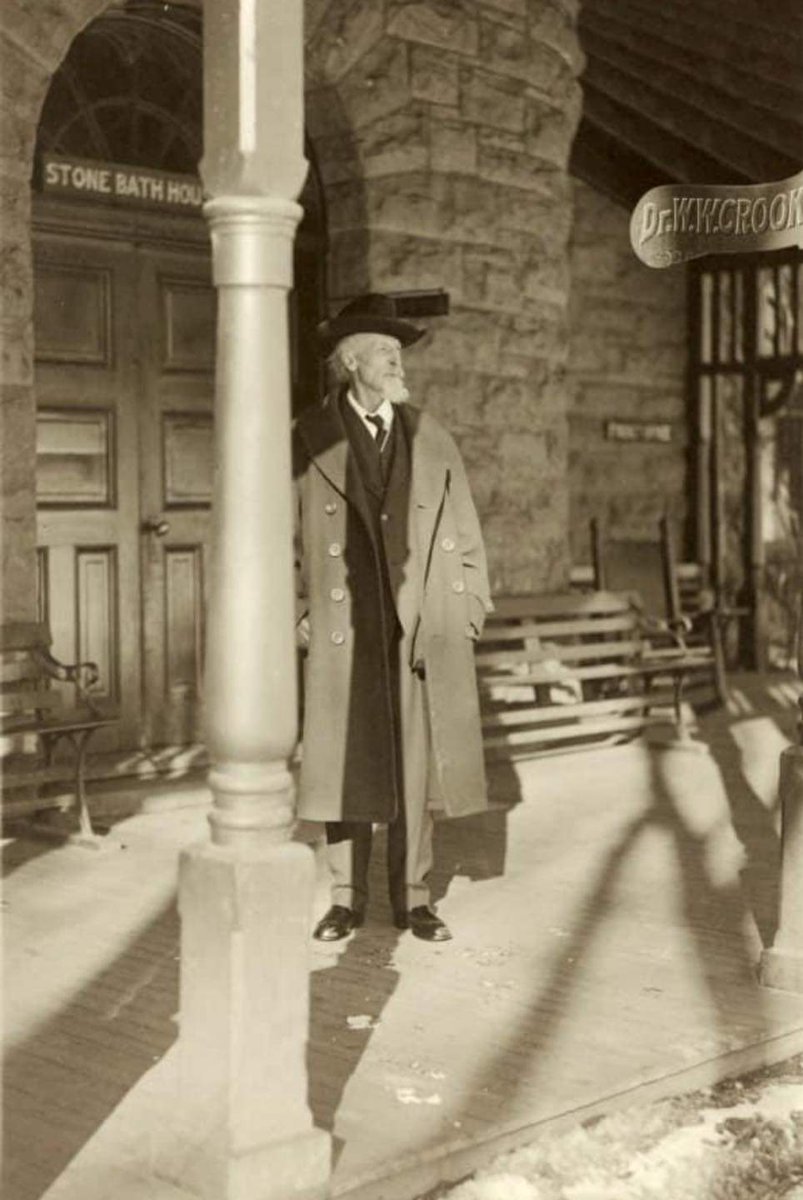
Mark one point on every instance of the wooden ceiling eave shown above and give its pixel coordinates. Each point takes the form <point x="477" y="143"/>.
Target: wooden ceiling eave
<point x="721" y="32"/>
<point x="734" y="150"/>
<point x="675" y="157"/>
<point x="772" y="82"/>
<point x="611" y="168"/>
<point x="621" y="49"/>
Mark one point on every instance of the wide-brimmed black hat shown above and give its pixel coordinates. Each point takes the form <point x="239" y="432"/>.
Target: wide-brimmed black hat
<point x="373" y="313"/>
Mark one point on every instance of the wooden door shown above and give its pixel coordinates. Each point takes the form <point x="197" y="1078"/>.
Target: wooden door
<point x="125" y="336"/>
<point x="177" y="301"/>
<point x="87" y="483"/>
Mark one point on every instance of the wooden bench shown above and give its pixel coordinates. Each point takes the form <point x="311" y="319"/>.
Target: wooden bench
<point x="35" y="721"/>
<point x="674" y="596"/>
<point x="572" y="671"/>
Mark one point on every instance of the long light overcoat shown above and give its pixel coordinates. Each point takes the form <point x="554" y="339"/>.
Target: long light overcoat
<point x="437" y="578"/>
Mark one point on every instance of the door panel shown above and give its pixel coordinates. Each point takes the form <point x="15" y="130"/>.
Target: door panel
<point x="176" y="490"/>
<point x="86" y="388"/>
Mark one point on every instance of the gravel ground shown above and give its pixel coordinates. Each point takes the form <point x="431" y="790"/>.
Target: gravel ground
<point x="740" y="1140"/>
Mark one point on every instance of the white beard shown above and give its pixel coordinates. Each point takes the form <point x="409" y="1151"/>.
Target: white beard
<point x="395" y="390"/>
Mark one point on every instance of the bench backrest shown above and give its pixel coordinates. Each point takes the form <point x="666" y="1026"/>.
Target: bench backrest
<point x="24" y="679"/>
<point x="560" y="671"/>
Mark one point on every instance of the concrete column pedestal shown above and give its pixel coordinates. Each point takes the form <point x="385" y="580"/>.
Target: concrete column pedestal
<point x="782" y="965"/>
<point x="243" y="1129"/>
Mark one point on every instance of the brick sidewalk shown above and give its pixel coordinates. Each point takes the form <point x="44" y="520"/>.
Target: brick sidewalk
<point x="608" y="914"/>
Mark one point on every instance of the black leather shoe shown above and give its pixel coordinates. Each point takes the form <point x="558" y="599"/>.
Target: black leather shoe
<point x="338" y="923"/>
<point x="422" y="923"/>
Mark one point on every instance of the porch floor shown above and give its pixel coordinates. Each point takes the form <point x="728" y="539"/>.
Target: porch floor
<point x="608" y="916"/>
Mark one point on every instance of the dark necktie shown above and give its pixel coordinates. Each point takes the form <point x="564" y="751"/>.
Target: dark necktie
<point x="381" y="430"/>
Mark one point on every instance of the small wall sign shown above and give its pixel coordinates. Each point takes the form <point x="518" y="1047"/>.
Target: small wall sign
<point x="638" y="431"/>
<point x="115" y="183"/>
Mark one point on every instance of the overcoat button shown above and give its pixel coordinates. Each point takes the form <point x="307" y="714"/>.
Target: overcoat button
<point x="337" y="594"/>
<point x="334" y="550"/>
<point x="447" y="544"/>
<point x="330" y="508"/>
<point x="384" y="517"/>
<point x="458" y="586"/>
<point x="337" y="637"/>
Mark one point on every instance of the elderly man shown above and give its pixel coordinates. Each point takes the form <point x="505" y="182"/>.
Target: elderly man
<point x="392" y="593"/>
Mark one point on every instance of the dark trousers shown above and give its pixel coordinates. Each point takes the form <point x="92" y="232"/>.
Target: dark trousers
<point x="409" y="850"/>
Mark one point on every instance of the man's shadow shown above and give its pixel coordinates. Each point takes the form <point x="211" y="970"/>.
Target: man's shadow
<point x="348" y="997"/>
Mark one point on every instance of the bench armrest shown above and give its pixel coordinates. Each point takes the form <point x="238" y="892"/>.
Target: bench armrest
<point x="81" y="675"/>
<point x="675" y="629"/>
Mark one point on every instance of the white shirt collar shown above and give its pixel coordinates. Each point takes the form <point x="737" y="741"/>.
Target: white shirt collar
<point x="385" y="411"/>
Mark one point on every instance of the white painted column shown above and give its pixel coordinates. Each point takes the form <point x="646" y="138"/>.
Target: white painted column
<point x="244" y="1129"/>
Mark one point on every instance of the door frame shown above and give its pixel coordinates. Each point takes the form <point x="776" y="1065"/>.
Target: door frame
<point x="723" y="341"/>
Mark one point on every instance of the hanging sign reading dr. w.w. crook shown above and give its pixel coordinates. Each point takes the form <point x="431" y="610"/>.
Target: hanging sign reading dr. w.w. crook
<point x="676" y="222"/>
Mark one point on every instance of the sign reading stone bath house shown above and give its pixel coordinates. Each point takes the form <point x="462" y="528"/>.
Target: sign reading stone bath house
<point x="116" y="183"/>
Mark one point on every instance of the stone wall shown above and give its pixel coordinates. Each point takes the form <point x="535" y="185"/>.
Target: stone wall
<point x="33" y="40"/>
<point x="443" y="129"/>
<point x="627" y="361"/>
<point x="442" y="132"/>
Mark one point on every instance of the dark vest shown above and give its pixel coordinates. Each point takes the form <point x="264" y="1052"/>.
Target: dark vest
<point x="386" y="481"/>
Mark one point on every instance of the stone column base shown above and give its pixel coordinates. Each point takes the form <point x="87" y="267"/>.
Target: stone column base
<point x="295" y="1169"/>
<point x="240" y="1127"/>
<point x="781" y="969"/>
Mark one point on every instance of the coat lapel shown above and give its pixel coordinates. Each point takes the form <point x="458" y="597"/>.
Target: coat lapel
<point x="324" y="435"/>
<point x="428" y="472"/>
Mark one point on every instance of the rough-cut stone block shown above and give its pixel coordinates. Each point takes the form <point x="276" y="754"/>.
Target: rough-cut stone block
<point x="348" y="264"/>
<point x="405" y="204"/>
<point x="433" y="75"/>
<point x="17" y="135"/>
<point x="513" y="403"/>
<point x="545" y="212"/>
<point x="325" y="114"/>
<point x="394" y="145"/>
<point x="470" y="209"/>
<point x="16" y="279"/>
<point x="453" y="396"/>
<point x="549" y="133"/>
<point x="400" y="262"/>
<point x="513" y="168"/>
<point x="546" y="277"/>
<point x="489" y="278"/>
<point x="348" y="31"/>
<point x="345" y="205"/>
<point x="453" y="147"/>
<point x="510" y="52"/>
<point x="513" y="7"/>
<point x="16" y="353"/>
<point x="379" y="84"/>
<point x="46" y="29"/>
<point x="426" y="205"/>
<point x="448" y="24"/>
<point x="551" y="25"/>
<point x="488" y="100"/>
<point x="18" y="459"/>
<point x="338" y="162"/>
<point x="501" y="139"/>
<point x="512" y="13"/>
<point x="15" y="200"/>
<point x="314" y="15"/>
<point x="537" y="342"/>
<point x="463" y="341"/>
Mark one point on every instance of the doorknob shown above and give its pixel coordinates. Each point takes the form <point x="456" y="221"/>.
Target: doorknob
<point x="156" y="526"/>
